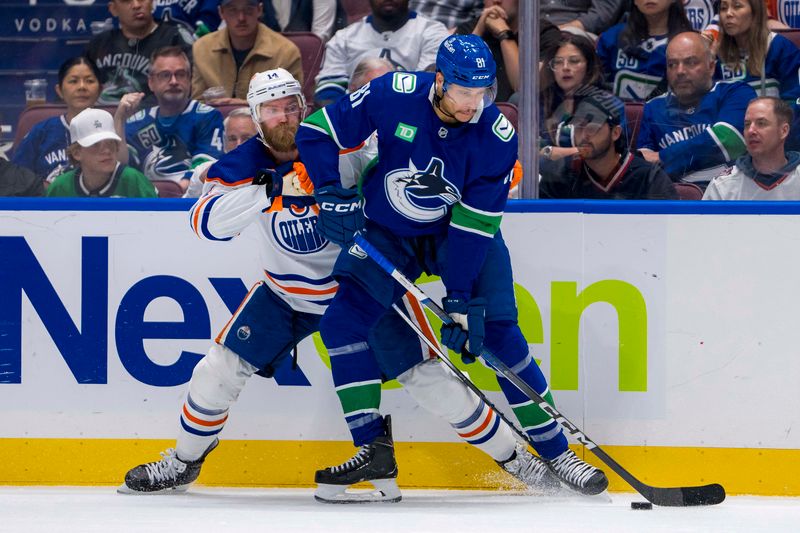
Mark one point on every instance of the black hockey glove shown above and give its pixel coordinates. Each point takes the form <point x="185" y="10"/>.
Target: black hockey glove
<point x="272" y="178"/>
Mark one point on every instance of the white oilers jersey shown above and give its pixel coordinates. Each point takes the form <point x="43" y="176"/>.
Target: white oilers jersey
<point x="412" y="47"/>
<point x="295" y="260"/>
<point x="736" y="184"/>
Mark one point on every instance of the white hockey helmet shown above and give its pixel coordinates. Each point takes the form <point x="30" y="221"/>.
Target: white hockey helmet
<point x="272" y="85"/>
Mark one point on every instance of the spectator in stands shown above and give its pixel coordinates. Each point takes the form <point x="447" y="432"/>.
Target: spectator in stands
<point x="633" y="54"/>
<point x="408" y="40"/>
<point x="229" y="57"/>
<point x="498" y="25"/>
<point x="604" y="168"/>
<point x="317" y="16"/>
<point x="193" y="14"/>
<point x="766" y="171"/>
<point x="367" y="70"/>
<point x="451" y="13"/>
<point x="18" y="181"/>
<point x="123" y="54"/>
<point x="239" y="127"/>
<point x="570" y="66"/>
<point x="96" y="170"/>
<point x="44" y="149"/>
<point x="588" y="17"/>
<point x="695" y="130"/>
<point x="178" y="134"/>
<point x="749" y="52"/>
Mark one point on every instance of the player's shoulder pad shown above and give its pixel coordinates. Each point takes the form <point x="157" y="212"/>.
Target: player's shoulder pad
<point x="238" y="166"/>
<point x="403" y="82"/>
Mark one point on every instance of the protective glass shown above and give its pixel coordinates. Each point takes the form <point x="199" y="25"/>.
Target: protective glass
<point x="271" y="111"/>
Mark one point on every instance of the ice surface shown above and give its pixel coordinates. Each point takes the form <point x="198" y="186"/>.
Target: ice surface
<point x="101" y="509"/>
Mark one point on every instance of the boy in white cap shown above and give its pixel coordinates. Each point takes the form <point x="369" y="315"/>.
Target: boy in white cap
<point x="93" y="153"/>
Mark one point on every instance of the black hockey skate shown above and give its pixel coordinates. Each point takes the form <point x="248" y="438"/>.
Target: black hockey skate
<point x="531" y="470"/>
<point x="374" y="463"/>
<point x="169" y="474"/>
<point x="577" y="474"/>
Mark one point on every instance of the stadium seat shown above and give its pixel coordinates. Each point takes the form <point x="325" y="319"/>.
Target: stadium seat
<point x="633" y="115"/>
<point x="168" y="189"/>
<point x="791" y="34"/>
<point x="356" y="9"/>
<point x="510" y="111"/>
<point x="33" y="115"/>
<point x="311" y="50"/>
<point x="688" y="191"/>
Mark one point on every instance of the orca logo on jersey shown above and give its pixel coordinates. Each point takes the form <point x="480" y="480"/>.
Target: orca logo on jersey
<point x="422" y="196"/>
<point x="295" y="229"/>
<point x="169" y="162"/>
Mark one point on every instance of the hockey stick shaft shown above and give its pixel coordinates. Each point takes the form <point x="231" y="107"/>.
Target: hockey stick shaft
<point x="671" y="496"/>
<point x="460" y="375"/>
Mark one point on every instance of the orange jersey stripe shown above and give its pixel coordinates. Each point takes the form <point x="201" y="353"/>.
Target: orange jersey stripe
<point x="205" y="423"/>
<point x="300" y="290"/>
<point x="225" y="183"/>
<point x="197" y="211"/>
<point x="351" y="150"/>
<point x="480" y="428"/>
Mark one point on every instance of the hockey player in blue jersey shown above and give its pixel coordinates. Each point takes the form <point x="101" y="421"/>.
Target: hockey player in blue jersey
<point x="433" y="202"/>
<point x="695" y="130"/>
<point x="261" y="183"/>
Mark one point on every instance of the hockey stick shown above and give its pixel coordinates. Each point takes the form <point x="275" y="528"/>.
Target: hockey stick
<point x="711" y="494"/>
<point x="461" y="377"/>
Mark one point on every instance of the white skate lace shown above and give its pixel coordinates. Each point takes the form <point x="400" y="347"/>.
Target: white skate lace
<point x="526" y="467"/>
<point x="167" y="468"/>
<point x="572" y="469"/>
<point x="357" y="460"/>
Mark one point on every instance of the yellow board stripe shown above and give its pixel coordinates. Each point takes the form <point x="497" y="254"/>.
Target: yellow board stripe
<point x="239" y="463"/>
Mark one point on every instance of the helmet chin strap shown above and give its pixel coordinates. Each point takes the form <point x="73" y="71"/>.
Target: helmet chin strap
<point x="437" y="103"/>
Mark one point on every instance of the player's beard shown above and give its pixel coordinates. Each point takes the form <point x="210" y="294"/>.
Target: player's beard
<point x="281" y="137"/>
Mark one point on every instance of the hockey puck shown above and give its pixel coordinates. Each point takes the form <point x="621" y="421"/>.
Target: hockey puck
<point x="641" y="506"/>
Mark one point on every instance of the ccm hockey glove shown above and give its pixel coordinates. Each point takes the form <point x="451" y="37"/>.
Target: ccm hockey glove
<point x="340" y="214"/>
<point x="465" y="335"/>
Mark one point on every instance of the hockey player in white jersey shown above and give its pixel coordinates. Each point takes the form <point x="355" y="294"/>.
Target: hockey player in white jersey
<point x="262" y="183"/>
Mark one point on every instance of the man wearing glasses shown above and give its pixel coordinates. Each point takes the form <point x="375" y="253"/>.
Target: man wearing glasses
<point x="168" y="140"/>
<point x="604" y="169"/>
<point x="123" y="54"/>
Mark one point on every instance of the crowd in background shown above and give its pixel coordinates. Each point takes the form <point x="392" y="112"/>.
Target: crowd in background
<point x="638" y="99"/>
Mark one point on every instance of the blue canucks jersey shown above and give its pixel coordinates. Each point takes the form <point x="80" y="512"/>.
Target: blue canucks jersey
<point x="167" y="148"/>
<point x="431" y="177"/>
<point x="698" y="138"/>
<point x="44" y="149"/>
<point x="781" y="70"/>
<point x="186" y="12"/>
<point x="635" y="76"/>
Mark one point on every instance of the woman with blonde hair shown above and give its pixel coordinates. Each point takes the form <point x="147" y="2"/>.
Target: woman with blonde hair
<point x="749" y="52"/>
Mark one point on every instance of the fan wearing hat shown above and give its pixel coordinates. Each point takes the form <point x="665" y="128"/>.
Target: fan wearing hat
<point x="604" y="168"/>
<point x="93" y="153"/>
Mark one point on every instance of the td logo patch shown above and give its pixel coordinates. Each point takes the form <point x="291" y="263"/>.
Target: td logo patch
<point x="405" y="132"/>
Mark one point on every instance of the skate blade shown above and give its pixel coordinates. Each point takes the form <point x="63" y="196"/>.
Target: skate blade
<point x="386" y="491"/>
<point x="125" y="489"/>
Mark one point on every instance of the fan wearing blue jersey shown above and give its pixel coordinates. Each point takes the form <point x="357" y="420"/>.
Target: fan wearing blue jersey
<point x="633" y="53"/>
<point x="170" y="139"/>
<point x="262" y="183"/>
<point x="695" y="130"/>
<point x="749" y="52"/>
<point x="433" y="202"/>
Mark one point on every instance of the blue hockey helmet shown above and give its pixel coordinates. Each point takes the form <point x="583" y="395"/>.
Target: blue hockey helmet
<point x="465" y="60"/>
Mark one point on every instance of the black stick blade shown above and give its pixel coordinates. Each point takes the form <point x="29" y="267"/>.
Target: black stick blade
<point x="684" y="496"/>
